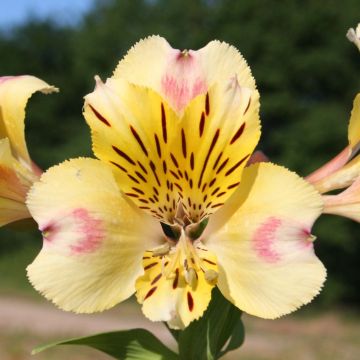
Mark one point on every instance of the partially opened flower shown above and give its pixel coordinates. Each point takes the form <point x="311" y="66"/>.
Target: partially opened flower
<point x="17" y="170"/>
<point x="170" y="211"/>
<point x="354" y="36"/>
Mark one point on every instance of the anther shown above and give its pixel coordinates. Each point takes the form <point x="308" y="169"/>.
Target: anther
<point x="211" y="276"/>
<point x="161" y="250"/>
<point x="191" y="277"/>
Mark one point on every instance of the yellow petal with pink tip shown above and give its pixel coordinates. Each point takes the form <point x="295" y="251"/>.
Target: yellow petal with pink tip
<point x="94" y="238"/>
<point x="263" y="243"/>
<point x="179" y="76"/>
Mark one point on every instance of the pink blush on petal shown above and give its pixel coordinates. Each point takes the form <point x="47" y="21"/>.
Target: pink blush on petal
<point x="265" y="238"/>
<point x="90" y="232"/>
<point x="183" y="80"/>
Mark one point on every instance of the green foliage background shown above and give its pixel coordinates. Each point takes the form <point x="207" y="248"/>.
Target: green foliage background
<point x="306" y="71"/>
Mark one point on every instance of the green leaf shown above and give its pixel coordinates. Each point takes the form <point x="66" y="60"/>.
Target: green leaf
<point x="135" y="344"/>
<point x="205" y="339"/>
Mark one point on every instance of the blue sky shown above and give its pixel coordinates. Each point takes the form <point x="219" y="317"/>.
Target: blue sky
<point x="13" y="12"/>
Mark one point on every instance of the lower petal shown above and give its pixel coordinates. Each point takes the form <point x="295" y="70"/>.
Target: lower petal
<point x="263" y="243"/>
<point x="176" y="287"/>
<point x="94" y="238"/>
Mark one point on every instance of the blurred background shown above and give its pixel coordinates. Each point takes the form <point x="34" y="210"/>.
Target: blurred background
<point x="308" y="75"/>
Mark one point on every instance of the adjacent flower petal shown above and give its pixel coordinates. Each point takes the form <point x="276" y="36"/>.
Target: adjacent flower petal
<point x="179" y="76"/>
<point x="263" y="243"/>
<point x="94" y="238"/>
<point x="15" y="91"/>
<point x="347" y="203"/>
<point x="15" y="181"/>
<point x="335" y="174"/>
<point x="162" y="159"/>
<point x="176" y="287"/>
<point x="354" y="125"/>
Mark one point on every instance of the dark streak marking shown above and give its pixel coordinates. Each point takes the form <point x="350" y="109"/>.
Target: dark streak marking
<point x="192" y="161"/>
<point x="190" y="301"/>
<point x="202" y="124"/>
<point x="178" y="186"/>
<point x="176" y="279"/>
<point x="140" y="176"/>
<point x="132" y="195"/>
<point x="142" y="167"/>
<point x="123" y="155"/>
<point x="208" y="261"/>
<point x="215" y="191"/>
<point x="180" y="174"/>
<point x="138" y="190"/>
<point x="144" y="207"/>
<point x="183" y="143"/>
<point x="99" y="116"/>
<point x="211" y="148"/>
<point x="156" y="279"/>
<point x="144" y="201"/>
<point x="174" y="160"/>
<point x="119" y="166"/>
<point x="233" y="185"/>
<point x="217" y="205"/>
<point x="164" y="167"/>
<point x="150" y="265"/>
<point x="204" y="187"/>
<point x="163" y="123"/>
<point x="205" y="197"/>
<point x="217" y="161"/>
<point x="207" y="104"/>
<point x="248" y="105"/>
<point x="186" y="176"/>
<point x="212" y="182"/>
<point x="150" y="292"/>
<point x="158" y="148"/>
<point x="138" y="139"/>
<point x="222" y="166"/>
<point x="153" y="168"/>
<point x="191" y="183"/>
<point x="237" y="165"/>
<point x="133" y="179"/>
<point x="238" y="133"/>
<point x="174" y="174"/>
<point x="155" y="191"/>
<point x="221" y="194"/>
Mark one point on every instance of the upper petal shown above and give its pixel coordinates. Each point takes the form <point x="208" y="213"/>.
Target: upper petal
<point x="179" y="76"/>
<point x="263" y="243"/>
<point x="162" y="158"/>
<point x="94" y="238"/>
<point x="15" y="91"/>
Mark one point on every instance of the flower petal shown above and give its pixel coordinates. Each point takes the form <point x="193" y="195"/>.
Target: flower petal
<point x="94" y="238"/>
<point x="174" y="287"/>
<point x="15" y="181"/>
<point x="135" y="140"/>
<point x="347" y="203"/>
<point x="179" y="76"/>
<point x="161" y="158"/>
<point x="341" y="178"/>
<point x="354" y="125"/>
<point x="263" y="243"/>
<point x="15" y="91"/>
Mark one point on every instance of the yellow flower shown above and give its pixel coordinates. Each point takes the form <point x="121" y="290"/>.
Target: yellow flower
<point x="17" y="171"/>
<point x="343" y="172"/>
<point x="170" y="210"/>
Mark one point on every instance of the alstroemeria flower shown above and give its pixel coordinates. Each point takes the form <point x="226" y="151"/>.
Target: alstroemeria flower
<point x="343" y="172"/>
<point x="173" y="131"/>
<point x="17" y="170"/>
